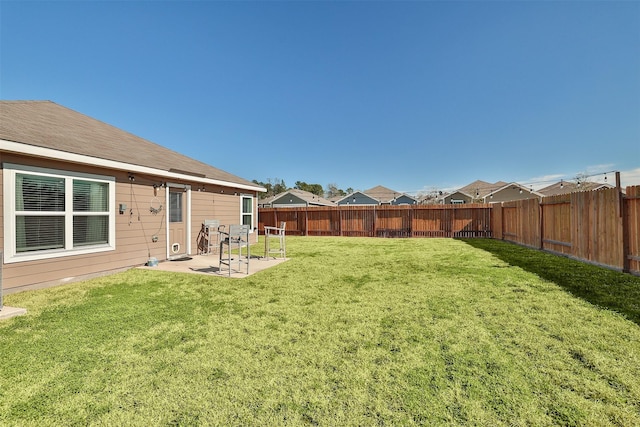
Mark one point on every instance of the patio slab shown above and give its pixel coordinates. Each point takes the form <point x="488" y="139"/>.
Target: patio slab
<point x="208" y="264"/>
<point x="9" y="312"/>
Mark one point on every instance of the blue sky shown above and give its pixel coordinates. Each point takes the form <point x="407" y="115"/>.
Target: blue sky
<point x="412" y="95"/>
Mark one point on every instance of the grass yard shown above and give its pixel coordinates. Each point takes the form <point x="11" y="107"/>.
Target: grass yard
<point x="350" y="331"/>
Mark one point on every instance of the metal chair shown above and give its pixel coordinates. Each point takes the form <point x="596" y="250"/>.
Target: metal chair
<point x="235" y="239"/>
<point x="211" y="229"/>
<point x="275" y="232"/>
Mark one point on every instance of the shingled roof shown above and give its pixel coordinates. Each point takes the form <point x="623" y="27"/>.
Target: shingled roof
<point x="564" y="187"/>
<point x="49" y="125"/>
<point x="478" y="189"/>
<point x="384" y="194"/>
<point x="309" y="198"/>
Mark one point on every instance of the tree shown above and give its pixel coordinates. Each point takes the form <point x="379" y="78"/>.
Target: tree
<point x="279" y="186"/>
<point x="273" y="186"/>
<point x="333" y="191"/>
<point x="429" y="197"/>
<point x="311" y="188"/>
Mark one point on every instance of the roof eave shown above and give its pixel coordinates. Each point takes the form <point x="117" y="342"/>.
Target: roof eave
<point x="21" y="148"/>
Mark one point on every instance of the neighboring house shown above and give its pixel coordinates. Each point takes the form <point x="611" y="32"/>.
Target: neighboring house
<point x="358" y="198"/>
<point x="335" y="199"/>
<point x="294" y="198"/>
<point x="564" y="187"/>
<point x="378" y="195"/>
<point x="456" y="198"/>
<point x="82" y="197"/>
<point x="390" y="197"/>
<point x="472" y="193"/>
<point x="484" y="192"/>
<point x="510" y="192"/>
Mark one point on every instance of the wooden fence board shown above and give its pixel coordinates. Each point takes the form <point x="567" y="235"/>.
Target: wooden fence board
<point x="597" y="227"/>
<point x="556" y="223"/>
<point x="632" y="232"/>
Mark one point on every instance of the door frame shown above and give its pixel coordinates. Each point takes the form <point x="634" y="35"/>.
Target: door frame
<point x="186" y="218"/>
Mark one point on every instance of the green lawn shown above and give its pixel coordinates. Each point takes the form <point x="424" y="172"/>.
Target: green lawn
<point x="350" y="331"/>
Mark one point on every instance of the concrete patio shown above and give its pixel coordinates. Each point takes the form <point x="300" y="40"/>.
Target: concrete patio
<point x="8" y="312"/>
<point x="196" y="264"/>
<point x="208" y="264"/>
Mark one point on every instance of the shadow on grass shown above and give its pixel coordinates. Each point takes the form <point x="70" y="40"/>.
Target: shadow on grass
<point x="605" y="288"/>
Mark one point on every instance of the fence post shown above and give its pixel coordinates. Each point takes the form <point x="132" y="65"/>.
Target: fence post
<point x="375" y="221"/>
<point x="502" y="219"/>
<point x="453" y="221"/>
<point x="411" y="211"/>
<point x="540" y="218"/>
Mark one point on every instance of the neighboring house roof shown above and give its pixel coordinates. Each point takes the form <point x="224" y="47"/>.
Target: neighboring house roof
<point x="511" y="186"/>
<point x="38" y="127"/>
<point x="358" y="198"/>
<point x="295" y="197"/>
<point x="386" y="195"/>
<point x="335" y="199"/>
<point x="479" y="189"/>
<point x="484" y="191"/>
<point x="457" y="195"/>
<point x="564" y="187"/>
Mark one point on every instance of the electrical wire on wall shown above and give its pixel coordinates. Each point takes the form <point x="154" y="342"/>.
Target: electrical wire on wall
<point x="156" y="209"/>
<point x="153" y="209"/>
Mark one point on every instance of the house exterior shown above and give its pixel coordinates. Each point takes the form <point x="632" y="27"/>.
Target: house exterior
<point x="565" y="187"/>
<point x="471" y="193"/>
<point x="456" y="198"/>
<point x="390" y="197"/>
<point x="378" y="195"/>
<point x="485" y="192"/>
<point x="510" y="192"/>
<point x="81" y="197"/>
<point x="294" y="198"/>
<point x="358" y="198"/>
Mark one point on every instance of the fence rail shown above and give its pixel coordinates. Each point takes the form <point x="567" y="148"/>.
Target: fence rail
<point x="601" y="227"/>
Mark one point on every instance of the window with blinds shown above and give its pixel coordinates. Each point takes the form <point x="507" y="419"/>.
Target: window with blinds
<point x="40" y="205"/>
<point x="53" y="212"/>
<point x="90" y="213"/>
<point x="175" y="206"/>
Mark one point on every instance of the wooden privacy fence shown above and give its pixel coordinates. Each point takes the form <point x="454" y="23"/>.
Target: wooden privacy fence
<point x="601" y="227"/>
<point x="382" y="221"/>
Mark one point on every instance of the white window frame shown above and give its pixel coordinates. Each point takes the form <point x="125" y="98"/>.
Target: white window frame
<point x="253" y="210"/>
<point x="9" y="202"/>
